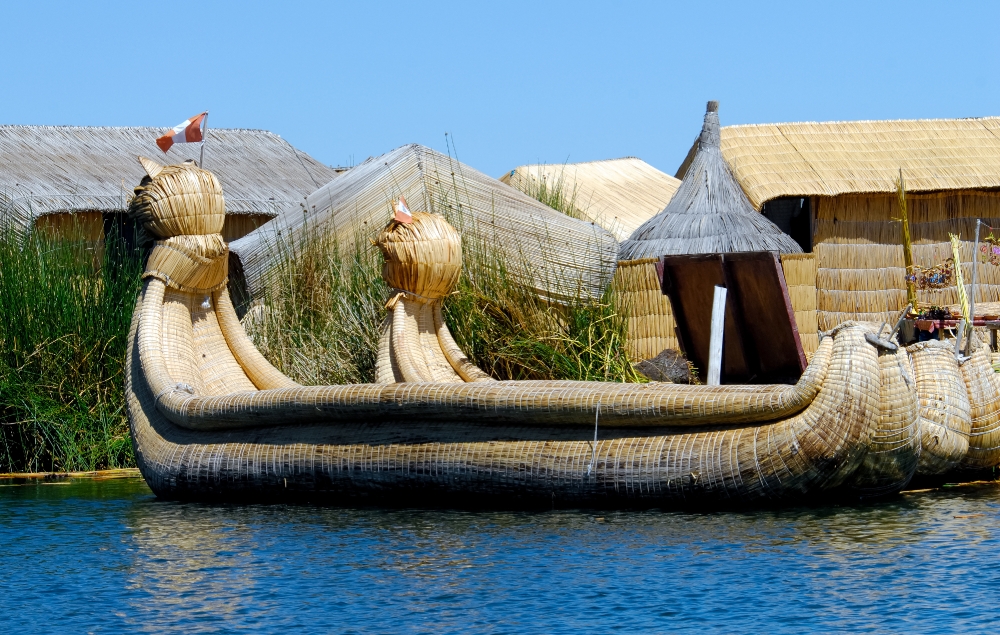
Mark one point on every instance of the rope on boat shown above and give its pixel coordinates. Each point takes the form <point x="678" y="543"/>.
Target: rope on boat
<point x="593" y="446"/>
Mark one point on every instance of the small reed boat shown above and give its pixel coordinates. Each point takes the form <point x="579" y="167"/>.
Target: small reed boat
<point x="212" y="419"/>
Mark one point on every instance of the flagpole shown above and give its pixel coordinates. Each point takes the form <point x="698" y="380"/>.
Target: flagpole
<point x="204" y="138"/>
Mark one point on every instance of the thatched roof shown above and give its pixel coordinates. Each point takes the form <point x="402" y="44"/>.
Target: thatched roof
<point x="567" y="257"/>
<point x="842" y="157"/>
<point x="618" y="194"/>
<point x="46" y="169"/>
<point x="709" y="213"/>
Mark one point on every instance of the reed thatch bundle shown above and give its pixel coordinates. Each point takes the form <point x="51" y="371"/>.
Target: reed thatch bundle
<point x="800" y="278"/>
<point x="423" y="258"/>
<point x="709" y="213"/>
<point x="650" y="322"/>
<point x="894" y="446"/>
<point x="422" y="262"/>
<point x="178" y="200"/>
<point x="835" y="158"/>
<point x="618" y="194"/>
<point x="983" y="385"/>
<point x="945" y="411"/>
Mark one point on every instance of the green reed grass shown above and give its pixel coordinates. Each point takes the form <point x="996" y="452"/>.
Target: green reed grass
<point x="321" y="319"/>
<point x="65" y="307"/>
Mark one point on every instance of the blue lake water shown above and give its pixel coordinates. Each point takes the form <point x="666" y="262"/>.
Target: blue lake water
<point x="90" y="556"/>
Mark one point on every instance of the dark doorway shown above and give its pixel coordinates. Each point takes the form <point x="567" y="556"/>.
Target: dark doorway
<point x="792" y="216"/>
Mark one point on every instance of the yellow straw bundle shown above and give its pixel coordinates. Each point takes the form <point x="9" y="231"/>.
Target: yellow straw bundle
<point x="650" y="321"/>
<point x="181" y="199"/>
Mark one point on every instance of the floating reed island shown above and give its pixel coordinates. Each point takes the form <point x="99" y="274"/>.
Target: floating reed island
<point x="212" y="419"/>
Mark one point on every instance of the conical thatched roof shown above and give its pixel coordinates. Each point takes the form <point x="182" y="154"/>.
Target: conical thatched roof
<point x="565" y="258"/>
<point x="709" y="213"/>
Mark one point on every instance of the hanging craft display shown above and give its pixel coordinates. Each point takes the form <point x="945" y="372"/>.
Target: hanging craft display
<point x="989" y="250"/>
<point x="936" y="277"/>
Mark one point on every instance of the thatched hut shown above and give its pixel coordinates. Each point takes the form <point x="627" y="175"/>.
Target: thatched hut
<point x="58" y="178"/>
<point x="564" y="258"/>
<point x="617" y="194"/>
<point x="832" y="187"/>
<point x="708" y="214"/>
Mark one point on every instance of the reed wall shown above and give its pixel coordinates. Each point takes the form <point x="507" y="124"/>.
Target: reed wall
<point x="650" y="321"/>
<point x="859" y="255"/>
<point x="800" y="278"/>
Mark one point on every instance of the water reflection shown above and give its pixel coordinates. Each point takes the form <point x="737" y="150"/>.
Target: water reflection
<point x="919" y="562"/>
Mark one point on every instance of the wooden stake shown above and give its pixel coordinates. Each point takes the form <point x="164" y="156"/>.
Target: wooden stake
<point x="715" y="342"/>
<point x="911" y="287"/>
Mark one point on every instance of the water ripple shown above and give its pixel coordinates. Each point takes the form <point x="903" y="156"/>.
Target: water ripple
<point x="106" y="557"/>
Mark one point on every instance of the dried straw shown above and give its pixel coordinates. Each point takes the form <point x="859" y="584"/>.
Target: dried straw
<point x="800" y="279"/>
<point x="894" y="447"/>
<point x="842" y="157"/>
<point x="650" y="322"/>
<point x="618" y="194"/>
<point x="983" y="386"/>
<point x="945" y="412"/>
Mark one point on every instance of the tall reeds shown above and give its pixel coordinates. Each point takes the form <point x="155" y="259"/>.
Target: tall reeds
<point x="320" y="320"/>
<point x="65" y="308"/>
<point x="321" y="317"/>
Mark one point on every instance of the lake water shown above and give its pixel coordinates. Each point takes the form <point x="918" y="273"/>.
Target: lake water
<point x="107" y="557"/>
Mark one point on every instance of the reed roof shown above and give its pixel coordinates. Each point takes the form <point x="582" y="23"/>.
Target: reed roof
<point x="566" y="257"/>
<point x="709" y="213"/>
<point x="48" y="169"/>
<point x="617" y="194"/>
<point x="841" y="157"/>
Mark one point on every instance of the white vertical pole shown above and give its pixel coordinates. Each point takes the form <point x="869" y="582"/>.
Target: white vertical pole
<point x="204" y="138"/>
<point x="715" y="343"/>
<point x="958" y="340"/>
<point x="972" y="296"/>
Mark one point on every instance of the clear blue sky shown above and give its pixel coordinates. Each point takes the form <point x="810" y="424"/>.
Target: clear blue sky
<point x="513" y="82"/>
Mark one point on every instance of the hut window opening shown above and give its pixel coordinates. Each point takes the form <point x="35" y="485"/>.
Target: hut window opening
<point x="793" y="216"/>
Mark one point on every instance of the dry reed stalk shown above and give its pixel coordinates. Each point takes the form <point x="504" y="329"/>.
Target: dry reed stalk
<point x="963" y="297"/>
<point x="904" y="217"/>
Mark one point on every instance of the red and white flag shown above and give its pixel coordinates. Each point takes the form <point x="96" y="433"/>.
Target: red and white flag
<point x="401" y="213"/>
<point x="187" y="132"/>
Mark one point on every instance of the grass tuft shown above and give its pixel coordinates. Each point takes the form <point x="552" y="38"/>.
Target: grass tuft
<point x="320" y="321"/>
<point x="65" y="308"/>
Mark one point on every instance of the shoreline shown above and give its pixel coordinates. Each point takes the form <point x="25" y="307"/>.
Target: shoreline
<point x="125" y="472"/>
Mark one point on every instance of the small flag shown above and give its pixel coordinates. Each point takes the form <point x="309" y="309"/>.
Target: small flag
<point x="187" y="132"/>
<point x="402" y="212"/>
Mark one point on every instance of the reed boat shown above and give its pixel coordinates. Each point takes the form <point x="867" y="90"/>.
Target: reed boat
<point x="211" y="418"/>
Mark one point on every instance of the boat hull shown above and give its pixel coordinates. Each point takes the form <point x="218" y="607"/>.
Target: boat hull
<point x="486" y="462"/>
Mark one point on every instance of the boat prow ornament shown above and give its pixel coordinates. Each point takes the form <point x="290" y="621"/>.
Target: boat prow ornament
<point x="211" y="418"/>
